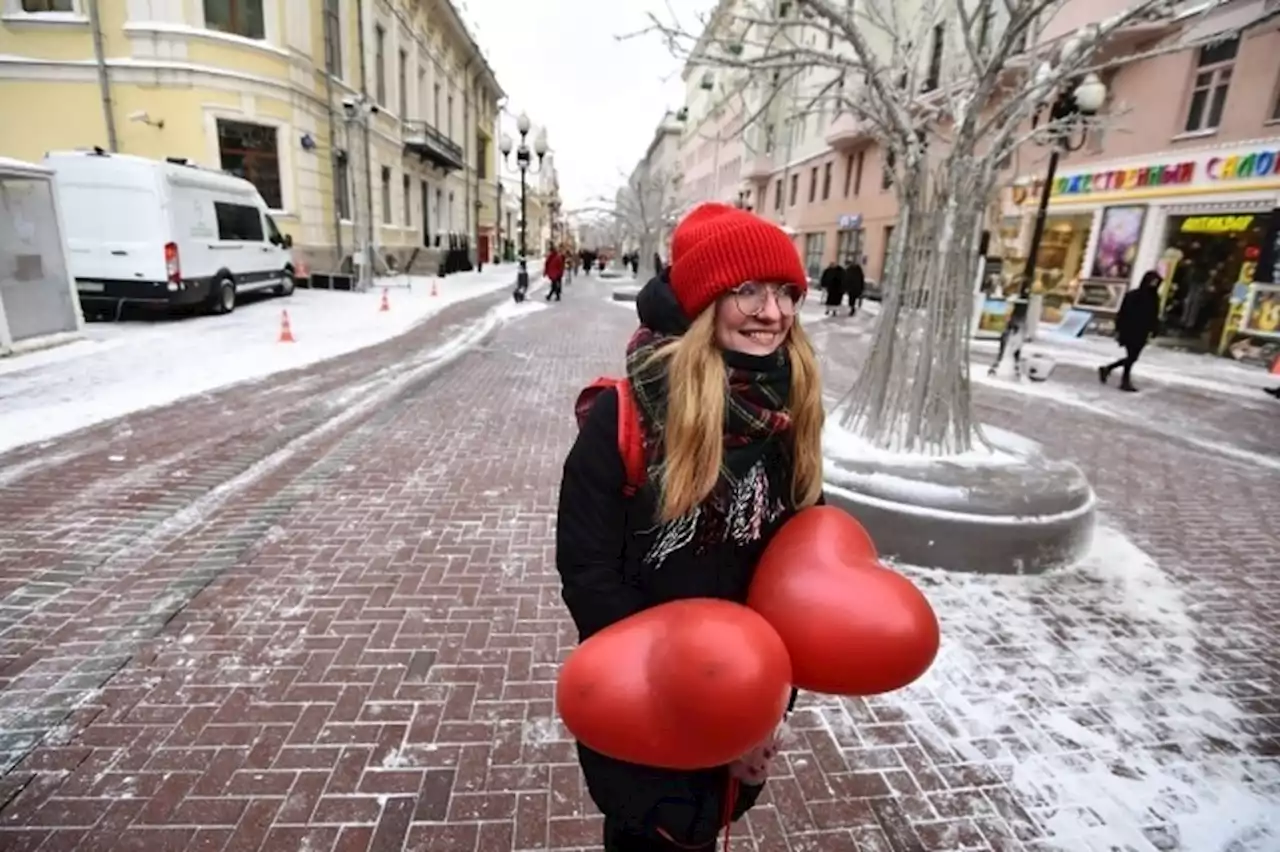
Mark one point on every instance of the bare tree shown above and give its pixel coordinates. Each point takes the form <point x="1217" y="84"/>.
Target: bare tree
<point x="646" y="209"/>
<point x="949" y="89"/>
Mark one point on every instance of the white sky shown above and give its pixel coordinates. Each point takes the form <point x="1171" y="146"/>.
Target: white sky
<point x="599" y="99"/>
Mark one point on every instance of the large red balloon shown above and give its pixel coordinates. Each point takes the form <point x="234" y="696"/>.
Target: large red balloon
<point x="852" y="626"/>
<point x="689" y="684"/>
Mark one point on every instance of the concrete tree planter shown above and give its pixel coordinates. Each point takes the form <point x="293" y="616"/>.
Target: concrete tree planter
<point x="1006" y="510"/>
<point x="625" y="294"/>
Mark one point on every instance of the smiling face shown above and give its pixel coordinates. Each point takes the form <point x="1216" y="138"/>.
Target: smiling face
<point x="755" y="319"/>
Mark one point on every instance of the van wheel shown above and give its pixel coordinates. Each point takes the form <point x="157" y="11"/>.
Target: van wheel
<point x="224" y="296"/>
<point x="286" y="284"/>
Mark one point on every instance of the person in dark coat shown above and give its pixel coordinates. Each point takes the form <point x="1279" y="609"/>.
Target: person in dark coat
<point x="736" y="283"/>
<point x="832" y="283"/>
<point x="1137" y="321"/>
<point x="855" y="283"/>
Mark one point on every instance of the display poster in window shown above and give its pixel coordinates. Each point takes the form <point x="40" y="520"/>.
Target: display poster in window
<point x="995" y="316"/>
<point x="1101" y="296"/>
<point x="1118" y="242"/>
<point x="1262" y="315"/>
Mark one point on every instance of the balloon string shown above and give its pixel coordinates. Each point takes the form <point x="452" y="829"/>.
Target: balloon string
<point x="730" y="800"/>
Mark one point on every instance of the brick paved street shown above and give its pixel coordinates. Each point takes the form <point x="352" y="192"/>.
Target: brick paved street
<point x="235" y="624"/>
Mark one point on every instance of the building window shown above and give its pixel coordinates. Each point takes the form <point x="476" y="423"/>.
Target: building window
<point x="849" y="247"/>
<point x="935" y="58"/>
<point x="777" y="194"/>
<point x="250" y="151"/>
<point x="813" y="184"/>
<point x="342" y="186"/>
<point x="422" y="93"/>
<point x="795" y="189"/>
<point x="332" y="38"/>
<point x="35" y="7"/>
<point x="482" y="157"/>
<point x="402" y="80"/>
<point x="848" y="174"/>
<point x="448" y="213"/>
<point x="826" y="181"/>
<point x="449" y="118"/>
<point x="435" y="107"/>
<point x="890" y="160"/>
<point x="1212" y="80"/>
<point x="238" y="17"/>
<point x="436" y="211"/>
<point x="857" y="174"/>
<point x="380" y="63"/>
<point x="814" y="245"/>
<point x="386" y="195"/>
<point x="408" y="204"/>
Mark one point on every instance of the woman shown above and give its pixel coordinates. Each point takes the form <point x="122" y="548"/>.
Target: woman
<point x="726" y="389"/>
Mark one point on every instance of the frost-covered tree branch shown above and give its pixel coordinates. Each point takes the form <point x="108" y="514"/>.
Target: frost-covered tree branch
<point x="950" y="90"/>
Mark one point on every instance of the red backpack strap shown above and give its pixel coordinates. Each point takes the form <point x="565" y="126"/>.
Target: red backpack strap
<point x="630" y="436"/>
<point x="630" y="439"/>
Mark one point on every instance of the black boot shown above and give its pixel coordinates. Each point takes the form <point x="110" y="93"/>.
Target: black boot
<point x="1104" y="373"/>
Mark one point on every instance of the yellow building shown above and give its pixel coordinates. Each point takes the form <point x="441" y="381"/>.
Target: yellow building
<point x="356" y="119"/>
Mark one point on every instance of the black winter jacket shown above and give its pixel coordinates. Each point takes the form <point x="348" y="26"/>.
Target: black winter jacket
<point x="601" y="540"/>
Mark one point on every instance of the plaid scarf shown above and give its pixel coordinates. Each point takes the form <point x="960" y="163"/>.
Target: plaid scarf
<point x="755" y="410"/>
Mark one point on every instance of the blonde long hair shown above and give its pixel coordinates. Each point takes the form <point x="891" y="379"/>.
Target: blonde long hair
<point x="694" y="435"/>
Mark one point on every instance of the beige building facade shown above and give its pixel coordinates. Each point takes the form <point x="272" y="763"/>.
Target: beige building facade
<point x="356" y="119"/>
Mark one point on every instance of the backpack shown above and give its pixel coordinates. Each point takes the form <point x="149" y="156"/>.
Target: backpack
<point x="630" y="438"/>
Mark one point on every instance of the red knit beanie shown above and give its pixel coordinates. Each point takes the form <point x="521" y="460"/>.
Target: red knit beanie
<point x="717" y="247"/>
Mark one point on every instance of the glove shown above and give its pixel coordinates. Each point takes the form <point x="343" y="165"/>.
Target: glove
<point x="753" y="767"/>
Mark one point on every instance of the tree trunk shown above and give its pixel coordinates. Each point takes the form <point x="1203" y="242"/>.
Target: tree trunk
<point x="648" y="246"/>
<point x="912" y="395"/>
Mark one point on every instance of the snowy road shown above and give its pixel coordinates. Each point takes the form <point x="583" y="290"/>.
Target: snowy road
<point x="318" y="611"/>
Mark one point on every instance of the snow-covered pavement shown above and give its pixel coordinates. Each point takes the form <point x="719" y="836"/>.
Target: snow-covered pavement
<point x="124" y="367"/>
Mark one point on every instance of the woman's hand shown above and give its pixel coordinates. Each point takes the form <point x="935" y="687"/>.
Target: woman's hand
<point x="753" y="767"/>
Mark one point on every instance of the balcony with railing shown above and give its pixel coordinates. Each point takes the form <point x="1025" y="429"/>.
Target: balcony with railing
<point x="847" y="131"/>
<point x="430" y="145"/>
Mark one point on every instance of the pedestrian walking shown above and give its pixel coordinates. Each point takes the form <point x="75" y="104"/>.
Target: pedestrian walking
<point x="723" y="385"/>
<point x="553" y="268"/>
<point x="855" y="284"/>
<point x="1136" y="323"/>
<point x="832" y="284"/>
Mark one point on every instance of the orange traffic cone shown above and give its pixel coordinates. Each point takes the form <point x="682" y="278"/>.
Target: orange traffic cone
<point x="434" y="292"/>
<point x="286" y="332"/>
<point x="386" y="305"/>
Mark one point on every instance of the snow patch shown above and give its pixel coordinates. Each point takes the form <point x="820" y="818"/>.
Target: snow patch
<point x="1087" y="691"/>
<point x="128" y="367"/>
<point x="1000" y="448"/>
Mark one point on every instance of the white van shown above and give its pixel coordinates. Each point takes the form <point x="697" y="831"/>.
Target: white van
<point x="165" y="233"/>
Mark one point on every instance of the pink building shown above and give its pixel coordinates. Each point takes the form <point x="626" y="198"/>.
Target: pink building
<point x="1183" y="177"/>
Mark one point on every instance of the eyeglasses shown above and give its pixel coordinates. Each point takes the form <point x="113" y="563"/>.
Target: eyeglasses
<point x="752" y="298"/>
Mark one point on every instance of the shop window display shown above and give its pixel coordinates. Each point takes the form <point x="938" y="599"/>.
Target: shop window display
<point x="1059" y="262"/>
<point x="1205" y="257"/>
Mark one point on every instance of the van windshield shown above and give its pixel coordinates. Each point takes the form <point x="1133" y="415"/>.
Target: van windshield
<point x="130" y="215"/>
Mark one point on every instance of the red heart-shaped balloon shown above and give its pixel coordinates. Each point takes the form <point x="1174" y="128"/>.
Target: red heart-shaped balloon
<point x="851" y="626"/>
<point x="689" y="684"/>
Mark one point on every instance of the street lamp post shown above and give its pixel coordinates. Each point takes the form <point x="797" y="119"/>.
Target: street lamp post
<point x="524" y="164"/>
<point x="1069" y="109"/>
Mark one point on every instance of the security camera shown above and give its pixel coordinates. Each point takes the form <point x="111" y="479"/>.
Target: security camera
<point x="349" y="107"/>
<point x="373" y="109"/>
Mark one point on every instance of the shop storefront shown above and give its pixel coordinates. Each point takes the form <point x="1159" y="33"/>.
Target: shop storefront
<point x="1200" y="217"/>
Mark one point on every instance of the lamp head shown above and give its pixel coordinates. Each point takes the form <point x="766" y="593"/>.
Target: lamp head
<point x="523" y="124"/>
